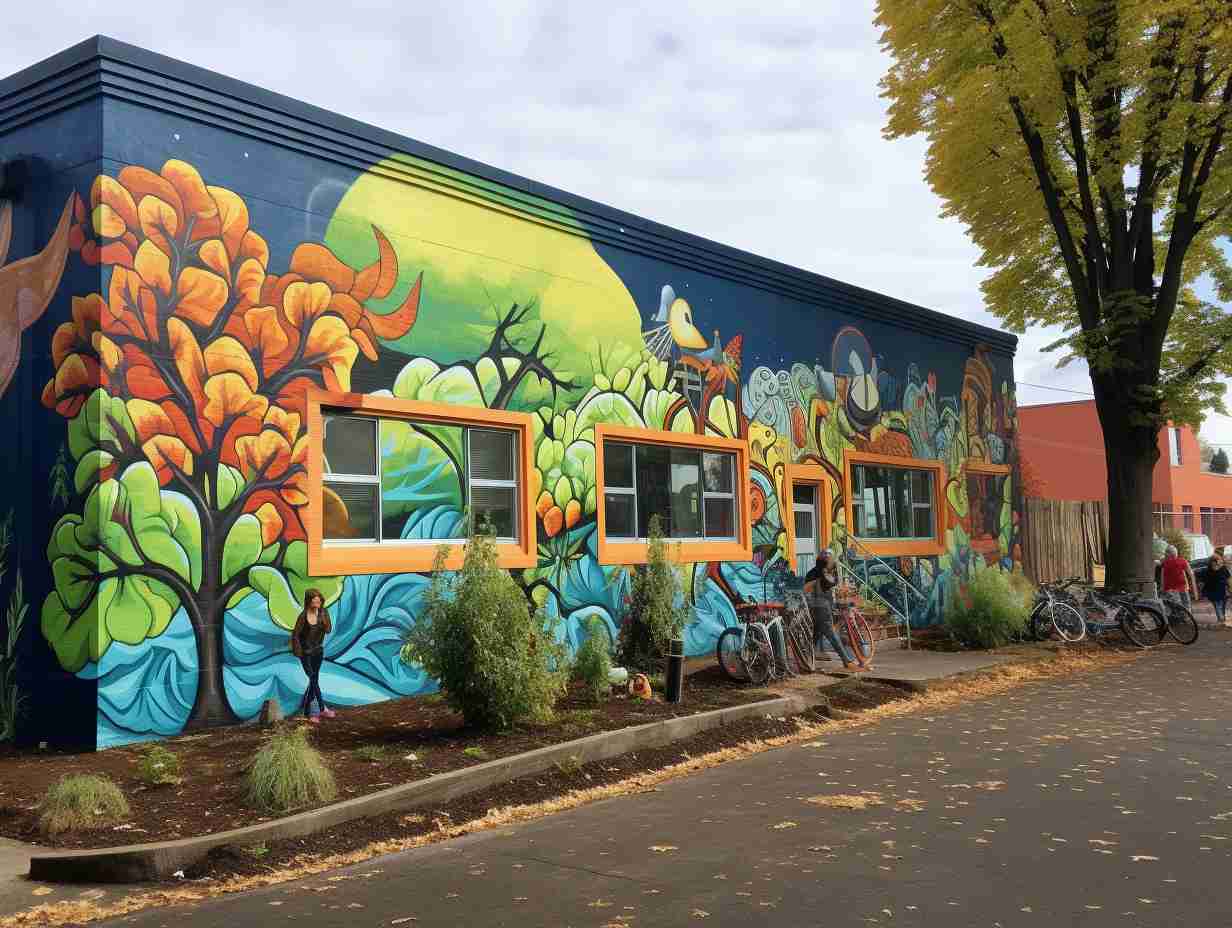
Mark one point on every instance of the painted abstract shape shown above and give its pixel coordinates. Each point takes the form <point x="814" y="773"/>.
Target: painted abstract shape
<point x="27" y="287"/>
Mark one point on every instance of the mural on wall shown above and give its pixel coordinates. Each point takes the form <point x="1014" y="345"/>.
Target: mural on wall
<point x="181" y="560"/>
<point x="15" y="610"/>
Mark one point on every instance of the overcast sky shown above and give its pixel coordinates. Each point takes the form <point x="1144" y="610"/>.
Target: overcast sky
<point x="755" y="124"/>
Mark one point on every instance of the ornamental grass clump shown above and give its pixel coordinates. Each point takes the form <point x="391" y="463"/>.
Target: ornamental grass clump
<point x="592" y="665"/>
<point x="288" y="773"/>
<point x="81" y="803"/>
<point x="159" y="767"/>
<point x="497" y="660"/>
<point x="987" y="612"/>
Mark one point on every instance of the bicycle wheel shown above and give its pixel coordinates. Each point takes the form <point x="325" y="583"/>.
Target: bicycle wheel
<point x="727" y="652"/>
<point x="868" y="644"/>
<point x="1182" y="625"/>
<point x="757" y="654"/>
<point x="1141" y="626"/>
<point x="800" y="643"/>
<point x="1068" y="622"/>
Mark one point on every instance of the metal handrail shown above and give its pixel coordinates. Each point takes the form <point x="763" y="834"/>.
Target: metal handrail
<point x="850" y="542"/>
<point x="903" y="619"/>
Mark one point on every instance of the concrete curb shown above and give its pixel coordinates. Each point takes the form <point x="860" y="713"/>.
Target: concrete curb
<point x="144" y="862"/>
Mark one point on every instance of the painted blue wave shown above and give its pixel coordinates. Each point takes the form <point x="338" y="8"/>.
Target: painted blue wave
<point x="146" y="691"/>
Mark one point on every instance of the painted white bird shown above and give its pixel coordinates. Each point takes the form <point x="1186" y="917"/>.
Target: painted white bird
<point x="674" y="327"/>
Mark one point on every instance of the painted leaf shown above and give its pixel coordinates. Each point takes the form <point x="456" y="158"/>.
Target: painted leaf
<point x="243" y="546"/>
<point x="99" y="424"/>
<point x="284" y="590"/>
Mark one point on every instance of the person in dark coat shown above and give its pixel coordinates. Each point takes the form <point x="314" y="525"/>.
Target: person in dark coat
<point x="1215" y="584"/>
<point x="819" y="584"/>
<point x="308" y="644"/>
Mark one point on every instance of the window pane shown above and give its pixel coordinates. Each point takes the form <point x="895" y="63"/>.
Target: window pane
<point x="686" y="493"/>
<point x="718" y="472"/>
<point x="923" y="523"/>
<point x="618" y="514"/>
<point x="492" y="455"/>
<point x="921" y="486"/>
<point x="350" y="445"/>
<point x="667" y="486"/>
<point x="618" y="465"/>
<point x="497" y="506"/>
<point x="892" y="502"/>
<point x="349" y="511"/>
<point x="422" y="494"/>
<point x="804" y="524"/>
<point x="721" y="518"/>
<point x="805" y="494"/>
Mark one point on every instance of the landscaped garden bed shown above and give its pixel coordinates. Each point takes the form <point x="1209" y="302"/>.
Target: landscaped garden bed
<point x="368" y="748"/>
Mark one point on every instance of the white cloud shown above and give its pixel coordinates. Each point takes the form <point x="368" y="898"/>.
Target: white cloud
<point x="755" y="124"/>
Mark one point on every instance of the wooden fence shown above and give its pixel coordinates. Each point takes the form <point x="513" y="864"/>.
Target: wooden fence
<point x="1064" y="538"/>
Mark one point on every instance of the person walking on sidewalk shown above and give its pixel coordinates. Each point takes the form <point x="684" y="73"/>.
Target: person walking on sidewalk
<point x="308" y="644"/>
<point x="1178" y="577"/>
<point x="819" y="584"/>
<point x="1215" y="584"/>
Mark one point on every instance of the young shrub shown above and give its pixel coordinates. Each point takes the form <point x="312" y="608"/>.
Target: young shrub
<point x="1174" y="536"/>
<point x="657" y="611"/>
<point x="592" y="664"/>
<point x="372" y="753"/>
<point x="79" y="803"/>
<point x="289" y="773"/>
<point x="159" y="767"/>
<point x="497" y="660"/>
<point x="988" y="612"/>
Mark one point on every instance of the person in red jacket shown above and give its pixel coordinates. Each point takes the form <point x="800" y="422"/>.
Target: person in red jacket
<point x="1178" y="577"/>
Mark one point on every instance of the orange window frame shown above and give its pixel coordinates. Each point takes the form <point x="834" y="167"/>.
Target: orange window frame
<point x="816" y="475"/>
<point x="982" y="467"/>
<point x="634" y="552"/>
<point x="914" y="547"/>
<point x="325" y="559"/>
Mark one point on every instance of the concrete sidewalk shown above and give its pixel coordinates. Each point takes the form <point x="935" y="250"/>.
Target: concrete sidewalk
<point x="895" y="664"/>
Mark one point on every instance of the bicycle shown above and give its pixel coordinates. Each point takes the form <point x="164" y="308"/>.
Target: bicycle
<point x="1054" y="609"/>
<point x="850" y="621"/>
<point x="1137" y="618"/>
<point x="747" y="651"/>
<point x="1180" y="624"/>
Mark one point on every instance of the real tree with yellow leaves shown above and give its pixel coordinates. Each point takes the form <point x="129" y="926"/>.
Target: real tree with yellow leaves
<point x="1084" y="143"/>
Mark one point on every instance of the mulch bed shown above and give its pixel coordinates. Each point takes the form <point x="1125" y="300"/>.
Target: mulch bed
<point x="227" y="862"/>
<point x="854" y="694"/>
<point x="416" y="738"/>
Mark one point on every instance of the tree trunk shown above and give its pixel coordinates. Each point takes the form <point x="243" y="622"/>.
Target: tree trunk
<point x="210" y="708"/>
<point x="1131" y="452"/>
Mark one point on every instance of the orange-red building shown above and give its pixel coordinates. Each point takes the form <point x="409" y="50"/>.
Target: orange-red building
<point x="1061" y="446"/>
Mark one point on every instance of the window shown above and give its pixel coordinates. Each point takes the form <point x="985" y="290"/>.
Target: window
<point x="692" y="491"/>
<point x="892" y="503"/>
<point x="398" y="480"/>
<point x="1187" y="517"/>
<point x="1174" y="446"/>
<point x="392" y="480"/>
<point x="695" y="484"/>
<point x="808" y="529"/>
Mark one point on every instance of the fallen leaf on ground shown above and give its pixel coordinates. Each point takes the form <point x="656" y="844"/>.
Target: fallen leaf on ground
<point x="663" y="848"/>
<point x="781" y="825"/>
<point x="846" y="800"/>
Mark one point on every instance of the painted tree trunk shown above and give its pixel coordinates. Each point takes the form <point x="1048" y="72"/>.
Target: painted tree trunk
<point x="208" y="612"/>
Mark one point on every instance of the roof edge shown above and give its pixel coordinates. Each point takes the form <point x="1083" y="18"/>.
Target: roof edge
<point x="105" y="66"/>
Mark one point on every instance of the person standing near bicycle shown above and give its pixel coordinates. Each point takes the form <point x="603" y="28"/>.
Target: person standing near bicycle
<point x="1215" y="584"/>
<point x="819" y="584"/>
<point x="1178" y="578"/>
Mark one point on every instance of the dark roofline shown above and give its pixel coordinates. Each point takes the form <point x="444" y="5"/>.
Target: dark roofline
<point x="102" y="66"/>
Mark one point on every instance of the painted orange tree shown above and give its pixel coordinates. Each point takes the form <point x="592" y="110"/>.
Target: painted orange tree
<point x="184" y="386"/>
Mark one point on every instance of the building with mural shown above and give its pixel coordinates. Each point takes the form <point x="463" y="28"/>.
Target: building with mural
<point x="249" y="347"/>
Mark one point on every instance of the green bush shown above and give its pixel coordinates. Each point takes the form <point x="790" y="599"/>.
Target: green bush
<point x="159" y="767"/>
<point x="1174" y="536"/>
<point x="289" y="773"/>
<point x="372" y="753"/>
<point x="79" y="803"/>
<point x="988" y="612"/>
<point x="593" y="663"/>
<point x="497" y="660"/>
<point x="657" y="611"/>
